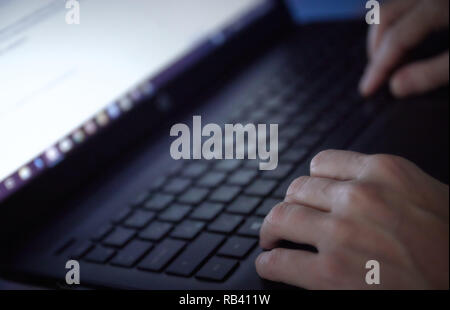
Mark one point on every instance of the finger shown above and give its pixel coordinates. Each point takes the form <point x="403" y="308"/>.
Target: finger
<point x="314" y="192"/>
<point x="293" y="267"/>
<point x="399" y="39"/>
<point x="338" y="165"/>
<point x="389" y="13"/>
<point x="421" y="76"/>
<point x="291" y="222"/>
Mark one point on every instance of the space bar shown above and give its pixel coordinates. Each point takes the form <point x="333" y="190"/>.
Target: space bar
<point x="195" y="254"/>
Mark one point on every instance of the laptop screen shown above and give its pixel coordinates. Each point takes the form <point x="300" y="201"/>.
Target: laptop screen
<point x="70" y="68"/>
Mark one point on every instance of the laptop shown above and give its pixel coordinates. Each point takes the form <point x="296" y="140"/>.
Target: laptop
<point x="86" y="110"/>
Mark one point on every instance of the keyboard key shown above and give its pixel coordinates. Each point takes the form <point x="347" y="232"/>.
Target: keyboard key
<point x="140" y="199"/>
<point x="177" y="185"/>
<point x="119" y="237"/>
<point x="194" y="195"/>
<point x="174" y="213"/>
<point x="121" y="215"/>
<point x="155" y="231"/>
<point x="158" y="202"/>
<point x="227" y="165"/>
<point x="225" y="193"/>
<point x="207" y="211"/>
<point x="195" y="254"/>
<point x="242" y="177"/>
<point x="101" y="232"/>
<point x="187" y="230"/>
<point x="81" y="249"/>
<point x="280" y="172"/>
<point x="217" y="269"/>
<point x="194" y="170"/>
<point x="99" y="255"/>
<point x="131" y="254"/>
<point x="157" y="183"/>
<point x="251" y="227"/>
<point x="311" y="139"/>
<point x="244" y="204"/>
<point x="237" y="247"/>
<point x="261" y="187"/>
<point x="139" y="219"/>
<point x="294" y="155"/>
<point x="161" y="255"/>
<point x="266" y="206"/>
<point x="226" y="223"/>
<point x="211" y="179"/>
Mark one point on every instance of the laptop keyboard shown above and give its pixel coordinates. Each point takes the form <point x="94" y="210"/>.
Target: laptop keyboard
<point x="203" y="217"/>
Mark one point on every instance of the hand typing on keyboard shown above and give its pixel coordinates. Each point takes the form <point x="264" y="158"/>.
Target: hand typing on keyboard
<point x="355" y="208"/>
<point x="403" y="25"/>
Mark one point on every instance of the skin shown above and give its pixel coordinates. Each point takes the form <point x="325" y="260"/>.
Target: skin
<point x="403" y="25"/>
<point x="355" y="208"/>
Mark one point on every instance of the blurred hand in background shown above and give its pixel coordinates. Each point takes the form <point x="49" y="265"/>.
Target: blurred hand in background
<point x="403" y="25"/>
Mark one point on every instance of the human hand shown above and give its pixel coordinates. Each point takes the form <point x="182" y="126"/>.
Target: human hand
<point x="403" y="25"/>
<point x="355" y="208"/>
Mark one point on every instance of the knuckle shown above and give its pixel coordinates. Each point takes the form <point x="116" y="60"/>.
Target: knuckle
<point x="386" y="164"/>
<point x="361" y="195"/>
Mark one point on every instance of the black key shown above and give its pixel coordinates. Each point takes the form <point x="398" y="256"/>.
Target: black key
<point x="177" y="185"/>
<point x="121" y="215"/>
<point x="194" y="170"/>
<point x="119" y="237"/>
<point x="291" y="132"/>
<point x="228" y="165"/>
<point x="161" y="255"/>
<point x="266" y="206"/>
<point x="99" y="255"/>
<point x="211" y="179"/>
<point x="157" y="183"/>
<point x="158" y="201"/>
<point x="194" y="195"/>
<point x="187" y="230"/>
<point x="155" y="231"/>
<point x="207" y="211"/>
<point x="251" y="227"/>
<point x="237" y="247"/>
<point x="261" y="187"/>
<point x="81" y="249"/>
<point x="225" y="193"/>
<point x="294" y="155"/>
<point x="140" y="199"/>
<point x="242" y="177"/>
<point x="244" y="204"/>
<point x="101" y="232"/>
<point x="195" y="254"/>
<point x="280" y="172"/>
<point x="132" y="253"/>
<point x="226" y="223"/>
<point x="252" y="164"/>
<point x="217" y="269"/>
<point x="310" y="139"/>
<point x="174" y="213"/>
<point x="139" y="219"/>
